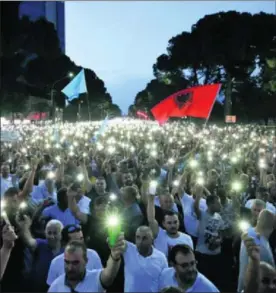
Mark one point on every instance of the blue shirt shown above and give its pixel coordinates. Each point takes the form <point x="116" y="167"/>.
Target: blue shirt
<point x="65" y="217"/>
<point x="42" y="260"/>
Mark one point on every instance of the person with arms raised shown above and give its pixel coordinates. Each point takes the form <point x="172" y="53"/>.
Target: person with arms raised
<point x="78" y="279"/>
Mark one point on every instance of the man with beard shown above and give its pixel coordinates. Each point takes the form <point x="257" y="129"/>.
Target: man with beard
<point x="143" y="263"/>
<point x="168" y="238"/>
<point x="78" y="279"/>
<point x="183" y="273"/>
<point x="71" y="233"/>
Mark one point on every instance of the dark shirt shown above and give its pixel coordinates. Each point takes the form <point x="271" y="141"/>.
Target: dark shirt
<point x="42" y="259"/>
<point x="12" y="280"/>
<point x="133" y="219"/>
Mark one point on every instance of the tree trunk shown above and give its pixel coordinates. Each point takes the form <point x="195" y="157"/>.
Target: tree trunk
<point x="228" y="96"/>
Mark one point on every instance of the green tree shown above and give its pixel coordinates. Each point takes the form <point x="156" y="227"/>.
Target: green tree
<point x="224" y="47"/>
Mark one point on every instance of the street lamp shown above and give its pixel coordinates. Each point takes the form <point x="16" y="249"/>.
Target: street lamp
<point x="69" y="75"/>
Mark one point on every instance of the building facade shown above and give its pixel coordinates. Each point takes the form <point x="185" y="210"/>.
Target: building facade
<point x="53" y="11"/>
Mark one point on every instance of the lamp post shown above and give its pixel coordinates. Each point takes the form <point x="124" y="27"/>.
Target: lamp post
<point x="69" y="75"/>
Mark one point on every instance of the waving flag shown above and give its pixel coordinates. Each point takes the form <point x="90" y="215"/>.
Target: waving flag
<point x="195" y="102"/>
<point x="76" y="86"/>
<point x="101" y="130"/>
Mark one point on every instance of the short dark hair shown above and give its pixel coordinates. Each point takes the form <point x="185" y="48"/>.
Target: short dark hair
<point x="182" y="248"/>
<point x="69" y="229"/>
<point x="10" y="192"/>
<point x="211" y="199"/>
<point x="61" y="194"/>
<point x="100" y="200"/>
<point x="72" y="246"/>
<point x="169" y="213"/>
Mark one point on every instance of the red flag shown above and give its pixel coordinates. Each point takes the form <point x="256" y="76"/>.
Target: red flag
<point x="195" y="102"/>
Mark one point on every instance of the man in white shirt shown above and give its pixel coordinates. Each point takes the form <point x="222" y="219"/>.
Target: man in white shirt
<point x="184" y="272"/>
<point x="71" y="233"/>
<point x="78" y="279"/>
<point x="168" y="238"/>
<point x="143" y="263"/>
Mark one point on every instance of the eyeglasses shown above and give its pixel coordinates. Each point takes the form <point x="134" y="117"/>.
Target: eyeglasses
<point x="74" y="228"/>
<point x="187" y="265"/>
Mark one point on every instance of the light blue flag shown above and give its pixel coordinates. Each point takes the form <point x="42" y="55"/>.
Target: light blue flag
<point x="220" y="99"/>
<point x="76" y="86"/>
<point x="101" y="130"/>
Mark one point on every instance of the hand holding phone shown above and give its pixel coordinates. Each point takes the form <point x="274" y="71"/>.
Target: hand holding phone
<point x="252" y="233"/>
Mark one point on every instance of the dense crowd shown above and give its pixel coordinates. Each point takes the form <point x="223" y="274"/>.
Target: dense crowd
<point x="130" y="206"/>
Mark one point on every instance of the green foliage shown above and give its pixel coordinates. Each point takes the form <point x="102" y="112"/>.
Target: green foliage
<point x="36" y="75"/>
<point x="226" y="47"/>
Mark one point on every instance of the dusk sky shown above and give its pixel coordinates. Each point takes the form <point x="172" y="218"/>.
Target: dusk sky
<point x="120" y="41"/>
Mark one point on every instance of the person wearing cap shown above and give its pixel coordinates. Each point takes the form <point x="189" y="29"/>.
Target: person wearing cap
<point x="72" y="233"/>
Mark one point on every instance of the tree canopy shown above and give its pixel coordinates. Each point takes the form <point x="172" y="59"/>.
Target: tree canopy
<point x="32" y="62"/>
<point x="227" y="47"/>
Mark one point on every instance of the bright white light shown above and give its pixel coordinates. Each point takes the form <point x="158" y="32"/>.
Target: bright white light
<point x="244" y="226"/>
<point x="200" y="181"/>
<point x="113" y="221"/>
<point x="113" y="196"/>
<point x="80" y="177"/>
<point x="236" y="186"/>
<point x="176" y="183"/>
<point x="23" y="205"/>
<point x="193" y="163"/>
<point x="51" y="175"/>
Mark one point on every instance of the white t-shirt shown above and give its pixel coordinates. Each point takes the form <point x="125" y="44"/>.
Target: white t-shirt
<point x="191" y="223"/>
<point x="164" y="242"/>
<point x="142" y="273"/>
<point x="269" y="206"/>
<point x="57" y="265"/>
<point x="209" y="231"/>
<point x="201" y="284"/>
<point x="91" y="283"/>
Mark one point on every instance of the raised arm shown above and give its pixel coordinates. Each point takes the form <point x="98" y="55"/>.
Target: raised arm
<point x="198" y="194"/>
<point x="110" y="272"/>
<point x="28" y="187"/>
<point x="252" y="276"/>
<point x="72" y="204"/>
<point x="151" y="216"/>
<point x="25" y="232"/>
<point x="8" y="237"/>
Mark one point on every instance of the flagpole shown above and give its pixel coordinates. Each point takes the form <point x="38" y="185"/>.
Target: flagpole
<point x="87" y="100"/>
<point x="207" y="119"/>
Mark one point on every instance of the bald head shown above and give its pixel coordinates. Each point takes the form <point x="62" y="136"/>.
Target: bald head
<point x="265" y="222"/>
<point x="145" y="230"/>
<point x="144" y="240"/>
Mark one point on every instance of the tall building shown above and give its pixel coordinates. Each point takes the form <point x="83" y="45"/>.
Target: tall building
<point x="53" y="11"/>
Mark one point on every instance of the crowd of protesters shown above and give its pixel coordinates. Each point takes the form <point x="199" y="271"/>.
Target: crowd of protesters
<point x="196" y="206"/>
